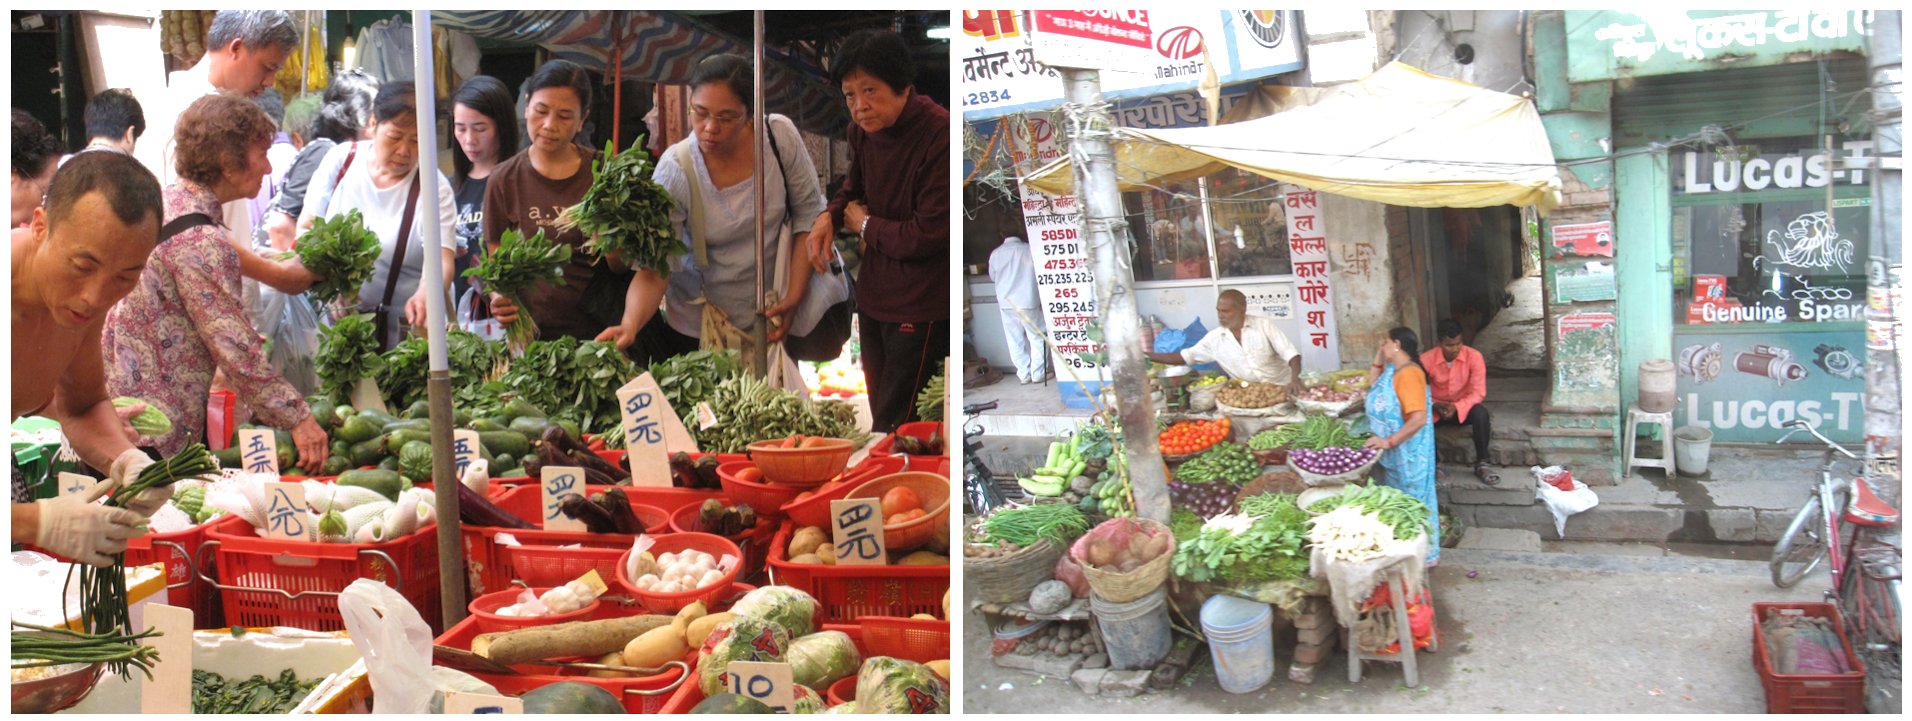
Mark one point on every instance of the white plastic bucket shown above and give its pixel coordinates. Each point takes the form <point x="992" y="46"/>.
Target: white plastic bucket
<point x="1691" y="447"/>
<point x="1240" y="641"/>
<point x="1136" y="634"/>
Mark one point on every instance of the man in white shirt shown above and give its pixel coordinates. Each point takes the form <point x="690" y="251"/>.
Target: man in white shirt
<point x="1013" y="270"/>
<point x="1248" y="347"/>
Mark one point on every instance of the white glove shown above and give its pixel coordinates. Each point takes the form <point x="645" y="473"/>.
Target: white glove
<point x="78" y="528"/>
<point x="125" y="470"/>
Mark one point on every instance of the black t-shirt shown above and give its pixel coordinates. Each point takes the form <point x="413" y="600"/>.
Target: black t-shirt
<point x="469" y="202"/>
<point x="291" y="198"/>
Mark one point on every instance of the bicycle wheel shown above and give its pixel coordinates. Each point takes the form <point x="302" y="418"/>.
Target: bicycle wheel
<point x="1868" y="594"/>
<point x="1801" y="547"/>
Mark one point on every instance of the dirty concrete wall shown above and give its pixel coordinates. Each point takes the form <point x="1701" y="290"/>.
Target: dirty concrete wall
<point x="1428" y="39"/>
<point x="1364" y="297"/>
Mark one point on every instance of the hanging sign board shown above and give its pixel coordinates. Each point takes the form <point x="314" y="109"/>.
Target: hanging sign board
<point x="286" y="518"/>
<point x="464" y="449"/>
<point x="648" y="425"/>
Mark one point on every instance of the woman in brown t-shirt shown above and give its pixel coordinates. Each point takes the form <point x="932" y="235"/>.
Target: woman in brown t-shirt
<point x="531" y="190"/>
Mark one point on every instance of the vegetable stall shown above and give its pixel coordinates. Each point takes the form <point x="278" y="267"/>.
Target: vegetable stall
<point x="1276" y="522"/>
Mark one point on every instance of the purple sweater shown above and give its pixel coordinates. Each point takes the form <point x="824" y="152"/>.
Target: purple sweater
<point x="902" y="174"/>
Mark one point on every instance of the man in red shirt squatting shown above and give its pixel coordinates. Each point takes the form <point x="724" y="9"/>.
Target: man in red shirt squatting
<point x="1457" y="375"/>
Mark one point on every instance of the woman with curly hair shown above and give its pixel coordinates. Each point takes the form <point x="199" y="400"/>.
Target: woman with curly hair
<point x="187" y="319"/>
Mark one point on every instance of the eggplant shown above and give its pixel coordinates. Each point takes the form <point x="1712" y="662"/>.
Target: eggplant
<point x="706" y="469"/>
<point x="595" y="518"/>
<point x="619" y="506"/>
<point x="476" y="510"/>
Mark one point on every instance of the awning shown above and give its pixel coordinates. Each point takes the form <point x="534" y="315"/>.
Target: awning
<point x="660" y="47"/>
<point x="1399" y="136"/>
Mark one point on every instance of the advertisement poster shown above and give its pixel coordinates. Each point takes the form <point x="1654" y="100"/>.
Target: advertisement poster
<point x="1746" y="386"/>
<point x="1065" y="286"/>
<point x="1314" y="300"/>
<point x="1589" y="239"/>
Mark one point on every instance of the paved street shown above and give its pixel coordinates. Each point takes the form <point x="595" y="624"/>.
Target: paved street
<point x="1530" y="633"/>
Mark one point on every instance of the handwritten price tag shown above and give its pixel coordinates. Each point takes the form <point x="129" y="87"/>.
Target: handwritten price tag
<point x="561" y="482"/>
<point x="258" y="451"/>
<point x="651" y="428"/>
<point x="766" y="682"/>
<point x="460" y="702"/>
<point x="74" y="484"/>
<point x="464" y="450"/>
<point x="285" y="512"/>
<point x="856" y="525"/>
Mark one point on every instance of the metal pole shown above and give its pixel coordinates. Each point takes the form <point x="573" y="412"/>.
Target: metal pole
<point x="451" y="578"/>
<point x="760" y="334"/>
<point x="617" y="79"/>
<point x="1109" y="242"/>
<point x="1884" y="423"/>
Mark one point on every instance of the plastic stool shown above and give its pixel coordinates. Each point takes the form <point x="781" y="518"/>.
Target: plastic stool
<point x="1635" y="417"/>
<point x="1396" y="579"/>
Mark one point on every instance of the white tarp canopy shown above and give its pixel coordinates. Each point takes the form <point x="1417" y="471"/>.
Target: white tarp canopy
<point x="1399" y="136"/>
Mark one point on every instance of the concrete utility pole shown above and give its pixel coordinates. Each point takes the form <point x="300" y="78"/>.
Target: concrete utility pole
<point x="1884" y="416"/>
<point x="1107" y="236"/>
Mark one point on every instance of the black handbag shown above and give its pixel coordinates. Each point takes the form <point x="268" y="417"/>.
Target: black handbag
<point x="825" y="341"/>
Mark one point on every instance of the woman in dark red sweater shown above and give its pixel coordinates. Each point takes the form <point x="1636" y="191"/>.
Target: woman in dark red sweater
<point x="896" y="197"/>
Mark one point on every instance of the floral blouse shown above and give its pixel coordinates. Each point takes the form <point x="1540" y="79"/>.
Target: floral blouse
<point x="187" y="319"/>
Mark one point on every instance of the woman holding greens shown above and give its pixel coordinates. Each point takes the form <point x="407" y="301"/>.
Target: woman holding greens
<point x="186" y="319"/>
<point x="530" y="192"/>
<point x="1397" y="407"/>
<point x="380" y="179"/>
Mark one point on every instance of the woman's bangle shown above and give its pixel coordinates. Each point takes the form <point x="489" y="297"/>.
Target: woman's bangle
<point x="1377" y="365"/>
<point x="864" y="226"/>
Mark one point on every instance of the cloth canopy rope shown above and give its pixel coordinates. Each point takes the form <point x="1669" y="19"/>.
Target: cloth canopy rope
<point x="1092" y="121"/>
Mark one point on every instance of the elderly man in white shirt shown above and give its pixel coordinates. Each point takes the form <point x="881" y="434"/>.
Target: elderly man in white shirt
<point x="1248" y="347"/>
<point x="1013" y="270"/>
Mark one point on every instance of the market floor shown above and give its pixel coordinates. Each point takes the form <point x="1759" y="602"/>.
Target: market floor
<point x="1530" y="633"/>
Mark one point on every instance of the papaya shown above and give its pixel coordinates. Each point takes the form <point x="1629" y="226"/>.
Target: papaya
<point x="418" y="409"/>
<point x="369" y="452"/>
<point x="486" y="425"/>
<point x="530" y="426"/>
<point x="359" y="428"/>
<point x="505" y="443"/>
<point x="386" y="483"/>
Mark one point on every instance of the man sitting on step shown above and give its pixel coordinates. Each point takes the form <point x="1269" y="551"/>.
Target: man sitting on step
<point x="1457" y="376"/>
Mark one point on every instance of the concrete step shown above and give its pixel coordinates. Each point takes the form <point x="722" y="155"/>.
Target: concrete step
<point x="1500" y="539"/>
<point x="1749" y="499"/>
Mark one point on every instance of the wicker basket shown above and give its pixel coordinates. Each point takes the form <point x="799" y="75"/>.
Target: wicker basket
<point x="1117" y="587"/>
<point x="1009" y="579"/>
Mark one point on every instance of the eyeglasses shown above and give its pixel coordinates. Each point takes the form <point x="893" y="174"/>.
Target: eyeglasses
<point x="724" y="120"/>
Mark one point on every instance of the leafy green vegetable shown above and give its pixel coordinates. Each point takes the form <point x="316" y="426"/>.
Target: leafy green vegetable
<point x="1313" y="433"/>
<point x="1094" y="441"/>
<point x="691" y="378"/>
<point x="150" y="422"/>
<point x="1184" y="525"/>
<point x="750" y="410"/>
<point x="348" y="351"/>
<point x="342" y="252"/>
<point x="214" y="694"/>
<point x="625" y="214"/>
<point x="1024" y="526"/>
<point x="575" y="380"/>
<point x="1407" y="514"/>
<point x="518" y="265"/>
<point x="406" y="366"/>
<point x="1242" y="549"/>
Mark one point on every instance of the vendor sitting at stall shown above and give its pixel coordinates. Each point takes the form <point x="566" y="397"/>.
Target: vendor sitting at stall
<point x="1248" y="347"/>
<point x="1457" y="375"/>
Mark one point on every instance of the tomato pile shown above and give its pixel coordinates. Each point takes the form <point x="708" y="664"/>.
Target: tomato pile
<point x="1192" y="436"/>
<point x="902" y="505"/>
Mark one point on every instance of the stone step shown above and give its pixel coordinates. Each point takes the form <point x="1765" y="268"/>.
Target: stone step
<point x="1500" y="539"/>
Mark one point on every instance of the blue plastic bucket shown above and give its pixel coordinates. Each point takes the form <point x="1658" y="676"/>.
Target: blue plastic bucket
<point x="1240" y="641"/>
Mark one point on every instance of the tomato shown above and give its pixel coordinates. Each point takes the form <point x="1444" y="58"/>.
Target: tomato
<point x="752" y="474"/>
<point x="896" y="520"/>
<point x="901" y="499"/>
<point x="914" y="514"/>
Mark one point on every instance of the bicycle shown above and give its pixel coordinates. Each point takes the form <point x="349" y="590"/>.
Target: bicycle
<point x="979" y="484"/>
<point x="1865" y="571"/>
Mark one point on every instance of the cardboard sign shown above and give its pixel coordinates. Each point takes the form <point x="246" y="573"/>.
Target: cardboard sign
<point x="74" y="484"/>
<point x="648" y="431"/>
<point x="286" y="518"/>
<point x="365" y="395"/>
<point x="258" y="451"/>
<point x="766" y="682"/>
<point x="464" y="450"/>
<point x="706" y="418"/>
<point x="561" y="482"/>
<point x="856" y="526"/>
<point x="460" y="702"/>
<point x="170" y="690"/>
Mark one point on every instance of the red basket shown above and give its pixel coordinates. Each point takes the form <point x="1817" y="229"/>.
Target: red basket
<point x="931" y="488"/>
<point x="815" y="510"/>
<point x="843" y="691"/>
<point x="491" y="567"/>
<point x="848" y="593"/>
<point x="912" y="639"/>
<point x="1809" y="693"/>
<point x="184" y="588"/>
<point x="673" y="602"/>
<point x="921" y="430"/>
<point x="267" y="583"/>
<point x="768" y="498"/>
<point x="485" y="609"/>
<point x="644" y="694"/>
<point x="755" y="543"/>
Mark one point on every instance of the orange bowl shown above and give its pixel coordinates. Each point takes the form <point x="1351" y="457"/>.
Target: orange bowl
<point x="815" y="510"/>
<point x="485" y="608"/>
<point x="767" y="498"/>
<point x="932" y="488"/>
<point x="843" y="691"/>
<point x="804" y="467"/>
<point x="711" y="595"/>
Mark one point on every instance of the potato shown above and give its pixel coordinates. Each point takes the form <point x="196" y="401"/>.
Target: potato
<point x="808" y="558"/>
<point x="614" y="658"/>
<point x="924" y="558"/>
<point x="827" y="552"/>
<point x="940" y="666"/>
<point x="655" y="648"/>
<point x="806" y="540"/>
<point x="700" y="629"/>
<point x="923" y="617"/>
<point x="688" y="614"/>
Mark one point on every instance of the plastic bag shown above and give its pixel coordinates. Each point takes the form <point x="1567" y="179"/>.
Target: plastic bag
<point x="291" y="330"/>
<point x="1562" y="503"/>
<point x="1069" y="573"/>
<point x="396" y="645"/>
<point x="473" y="315"/>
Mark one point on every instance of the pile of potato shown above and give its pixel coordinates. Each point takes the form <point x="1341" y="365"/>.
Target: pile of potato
<point x="811" y="545"/>
<point x="1060" y="640"/>
<point x="664" y="644"/>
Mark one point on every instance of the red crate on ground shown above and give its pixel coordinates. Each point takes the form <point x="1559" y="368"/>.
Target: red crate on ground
<point x="1808" y="693"/>
<point x="489" y="568"/>
<point x="848" y="593"/>
<point x="184" y="588"/>
<point x="296" y="583"/>
<point x="645" y="694"/>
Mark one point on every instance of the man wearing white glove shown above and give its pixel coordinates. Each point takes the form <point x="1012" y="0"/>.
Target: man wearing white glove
<point x="84" y="251"/>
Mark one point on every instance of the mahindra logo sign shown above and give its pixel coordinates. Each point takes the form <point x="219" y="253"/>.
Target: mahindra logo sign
<point x="1179" y="43"/>
<point x="1263" y="25"/>
<point x="1041" y="130"/>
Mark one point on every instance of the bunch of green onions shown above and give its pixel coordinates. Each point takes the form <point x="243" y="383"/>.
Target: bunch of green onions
<point x="103" y="601"/>
<point x="42" y="646"/>
<point x="1059" y="522"/>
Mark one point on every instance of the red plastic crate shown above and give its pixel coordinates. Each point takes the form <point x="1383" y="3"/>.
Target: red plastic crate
<point x="815" y="510"/>
<point x="1809" y="693"/>
<point x="911" y="639"/>
<point x="489" y="568"/>
<point x="261" y="573"/>
<point x="645" y="694"/>
<point x="184" y="588"/>
<point x="849" y="593"/>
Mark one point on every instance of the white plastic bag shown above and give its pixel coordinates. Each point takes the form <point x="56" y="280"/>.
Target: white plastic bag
<point x="468" y="308"/>
<point x="1562" y="503"/>
<point x="292" y="330"/>
<point x="396" y="644"/>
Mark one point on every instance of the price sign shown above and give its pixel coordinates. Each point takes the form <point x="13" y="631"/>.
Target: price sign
<point x="169" y="690"/>
<point x="258" y="451"/>
<point x="706" y="418"/>
<point x="651" y="428"/>
<point x="856" y="525"/>
<point x="766" y="682"/>
<point x="464" y="450"/>
<point x="460" y="702"/>
<point x="74" y="484"/>
<point x="286" y="518"/>
<point x="561" y="482"/>
<point x="365" y="395"/>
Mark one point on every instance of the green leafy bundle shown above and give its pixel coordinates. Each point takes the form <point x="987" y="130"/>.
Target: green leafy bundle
<point x="1266" y="550"/>
<point x="342" y="252"/>
<point x="402" y="375"/>
<point x="518" y="265"/>
<point x="1407" y="514"/>
<point x="575" y="380"/>
<point x="691" y="378"/>
<point x="625" y="214"/>
<point x="348" y="351"/>
<point x="748" y="409"/>
<point x="929" y="403"/>
<point x="215" y="694"/>
<point x="1314" y="433"/>
<point x="1024" y="526"/>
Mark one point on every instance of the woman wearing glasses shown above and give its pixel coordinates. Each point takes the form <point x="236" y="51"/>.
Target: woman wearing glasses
<point x="711" y="176"/>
